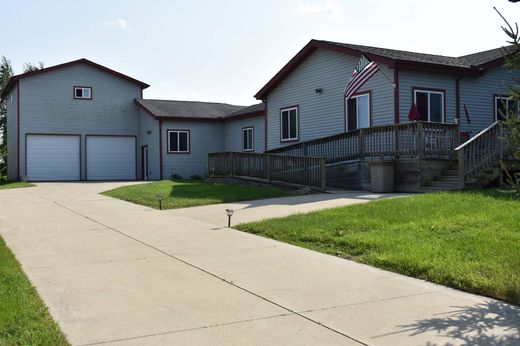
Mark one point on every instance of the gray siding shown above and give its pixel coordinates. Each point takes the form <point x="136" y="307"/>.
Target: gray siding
<point x="12" y="135"/>
<point x="324" y="114"/>
<point x="478" y="95"/>
<point x="205" y="137"/>
<point x="147" y="123"/>
<point x="47" y="106"/>
<point x="233" y="133"/>
<point x="426" y="80"/>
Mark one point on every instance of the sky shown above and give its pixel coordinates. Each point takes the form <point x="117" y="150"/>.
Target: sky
<point x="226" y="50"/>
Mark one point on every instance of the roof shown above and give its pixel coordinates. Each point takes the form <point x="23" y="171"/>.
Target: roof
<point x="193" y="110"/>
<point x="257" y="109"/>
<point x="473" y="64"/>
<point x="14" y="79"/>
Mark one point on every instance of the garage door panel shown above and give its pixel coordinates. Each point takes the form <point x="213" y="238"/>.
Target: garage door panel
<point x="53" y="157"/>
<point x="111" y="157"/>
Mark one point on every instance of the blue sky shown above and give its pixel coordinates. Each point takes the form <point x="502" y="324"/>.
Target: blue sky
<point x="227" y="50"/>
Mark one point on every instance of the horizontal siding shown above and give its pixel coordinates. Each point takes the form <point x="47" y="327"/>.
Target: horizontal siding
<point x="411" y="79"/>
<point x="323" y="114"/>
<point x="12" y="135"/>
<point x="478" y="95"/>
<point x="147" y="123"/>
<point x="47" y="105"/>
<point x="233" y="133"/>
<point x="205" y="137"/>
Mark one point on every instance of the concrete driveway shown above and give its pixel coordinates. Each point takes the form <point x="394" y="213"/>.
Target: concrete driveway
<point x="113" y="272"/>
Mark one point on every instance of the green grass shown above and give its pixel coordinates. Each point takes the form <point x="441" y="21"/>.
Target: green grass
<point x="24" y="319"/>
<point x="190" y="193"/>
<point x="14" y="184"/>
<point x="466" y="240"/>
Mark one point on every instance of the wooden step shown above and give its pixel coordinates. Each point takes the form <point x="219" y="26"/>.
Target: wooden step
<point x="448" y="178"/>
<point x="444" y="184"/>
<point x="451" y="172"/>
<point x="428" y="189"/>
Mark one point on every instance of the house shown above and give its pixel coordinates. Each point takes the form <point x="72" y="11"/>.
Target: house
<point x="83" y="121"/>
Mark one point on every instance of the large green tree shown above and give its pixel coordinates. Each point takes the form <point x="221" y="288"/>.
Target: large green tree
<point x="6" y="71"/>
<point x="511" y="123"/>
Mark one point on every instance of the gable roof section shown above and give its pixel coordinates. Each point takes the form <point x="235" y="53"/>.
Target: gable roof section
<point x="473" y="64"/>
<point x="14" y="79"/>
<point x="251" y="111"/>
<point x="188" y="110"/>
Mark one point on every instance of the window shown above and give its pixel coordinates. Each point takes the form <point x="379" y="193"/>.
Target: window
<point x="358" y="111"/>
<point x="84" y="93"/>
<point x="503" y="105"/>
<point x="289" y="124"/>
<point x="247" y="138"/>
<point x="178" y="141"/>
<point x="430" y="105"/>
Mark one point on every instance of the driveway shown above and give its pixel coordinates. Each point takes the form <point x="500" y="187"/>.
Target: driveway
<point x="113" y="272"/>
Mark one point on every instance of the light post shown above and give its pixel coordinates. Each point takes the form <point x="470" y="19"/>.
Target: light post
<point x="229" y="213"/>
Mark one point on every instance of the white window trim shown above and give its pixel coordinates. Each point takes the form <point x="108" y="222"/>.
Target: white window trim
<point x="187" y="151"/>
<point x="289" y="139"/>
<point x="252" y="136"/>
<point x="83" y="92"/>
<point x="357" y="109"/>
<point x="442" y="93"/>
<point x="497" y="97"/>
<point x="11" y="97"/>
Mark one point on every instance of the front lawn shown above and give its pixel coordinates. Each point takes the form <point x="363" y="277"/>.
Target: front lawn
<point x="24" y="319"/>
<point x="466" y="240"/>
<point x="14" y="184"/>
<point x="190" y="193"/>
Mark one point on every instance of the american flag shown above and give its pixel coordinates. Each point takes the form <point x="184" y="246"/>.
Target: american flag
<point x="363" y="71"/>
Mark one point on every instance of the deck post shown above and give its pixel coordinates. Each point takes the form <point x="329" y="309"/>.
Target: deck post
<point x="361" y="145"/>
<point x="460" y="157"/>
<point x="268" y="166"/>
<point x="323" y="174"/>
<point x="420" y="140"/>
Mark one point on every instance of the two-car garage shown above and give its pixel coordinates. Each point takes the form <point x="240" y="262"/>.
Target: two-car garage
<point x="58" y="157"/>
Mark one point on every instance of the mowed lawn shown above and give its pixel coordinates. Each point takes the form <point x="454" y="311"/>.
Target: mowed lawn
<point x="190" y="193"/>
<point x="13" y="184"/>
<point x="466" y="240"/>
<point x="24" y="319"/>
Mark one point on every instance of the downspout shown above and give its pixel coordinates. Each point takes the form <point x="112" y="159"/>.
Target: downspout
<point x="160" y="150"/>
<point x="265" y="125"/>
<point x="396" y="95"/>
<point x="457" y="99"/>
<point x="18" y="129"/>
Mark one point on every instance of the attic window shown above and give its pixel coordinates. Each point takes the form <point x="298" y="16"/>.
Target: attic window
<point x="83" y="93"/>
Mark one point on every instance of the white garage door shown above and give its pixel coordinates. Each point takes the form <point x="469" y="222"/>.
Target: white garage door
<point x="110" y="158"/>
<point x="51" y="157"/>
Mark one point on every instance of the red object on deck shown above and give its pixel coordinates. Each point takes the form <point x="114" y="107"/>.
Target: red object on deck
<point x="414" y="113"/>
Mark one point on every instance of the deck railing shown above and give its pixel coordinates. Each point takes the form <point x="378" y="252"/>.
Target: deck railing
<point x="295" y="170"/>
<point x="479" y="152"/>
<point x="410" y="140"/>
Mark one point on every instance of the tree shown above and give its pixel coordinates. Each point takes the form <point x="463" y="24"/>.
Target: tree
<point x="29" y="67"/>
<point x="6" y="71"/>
<point x="511" y="123"/>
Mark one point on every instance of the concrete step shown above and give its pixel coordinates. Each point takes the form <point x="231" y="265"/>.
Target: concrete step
<point x="448" y="178"/>
<point x="444" y="184"/>
<point x="450" y="172"/>
<point x="427" y="189"/>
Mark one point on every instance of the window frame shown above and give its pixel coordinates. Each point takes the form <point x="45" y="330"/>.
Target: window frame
<point x="345" y="106"/>
<point x="429" y="91"/>
<point x="81" y="87"/>
<point x="501" y="97"/>
<point x="288" y="109"/>
<point x="188" y="141"/>
<point x="246" y="129"/>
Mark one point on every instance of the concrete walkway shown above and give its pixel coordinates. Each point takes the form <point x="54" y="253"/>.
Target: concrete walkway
<point x="116" y="273"/>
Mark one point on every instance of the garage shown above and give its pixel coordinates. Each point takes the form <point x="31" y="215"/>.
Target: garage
<point x="53" y="157"/>
<point x="110" y="157"/>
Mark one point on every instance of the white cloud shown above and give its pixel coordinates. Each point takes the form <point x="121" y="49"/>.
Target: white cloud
<point x="328" y="9"/>
<point x="119" y="23"/>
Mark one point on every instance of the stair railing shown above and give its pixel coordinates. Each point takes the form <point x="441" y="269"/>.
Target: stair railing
<point x="479" y="153"/>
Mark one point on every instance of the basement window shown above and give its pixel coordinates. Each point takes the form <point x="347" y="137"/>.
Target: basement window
<point x="83" y="93"/>
<point x="178" y="141"/>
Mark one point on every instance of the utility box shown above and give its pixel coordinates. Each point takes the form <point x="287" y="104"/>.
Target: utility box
<point x="382" y="176"/>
